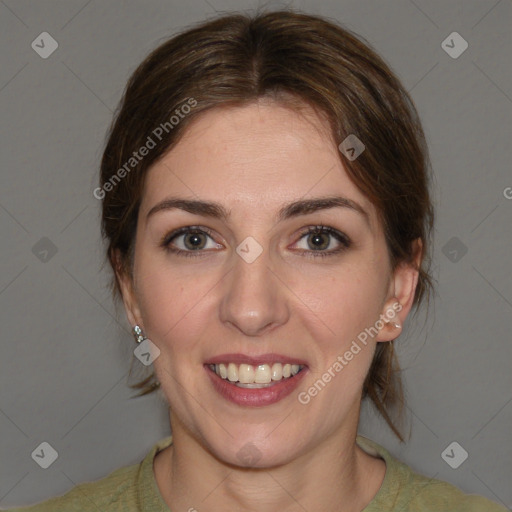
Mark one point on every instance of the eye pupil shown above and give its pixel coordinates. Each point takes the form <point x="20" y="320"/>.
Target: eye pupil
<point x="317" y="241"/>
<point x="193" y="241"/>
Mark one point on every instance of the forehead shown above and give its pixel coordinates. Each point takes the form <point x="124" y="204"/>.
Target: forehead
<point x="253" y="158"/>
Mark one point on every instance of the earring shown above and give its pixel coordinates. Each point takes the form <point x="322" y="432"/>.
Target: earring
<point x="395" y="324"/>
<point x="138" y="334"/>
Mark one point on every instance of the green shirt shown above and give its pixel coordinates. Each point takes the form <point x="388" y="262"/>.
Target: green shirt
<point x="134" y="489"/>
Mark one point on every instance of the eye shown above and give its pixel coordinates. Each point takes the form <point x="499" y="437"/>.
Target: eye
<point x="189" y="241"/>
<point x="324" y="241"/>
<point x="193" y="241"/>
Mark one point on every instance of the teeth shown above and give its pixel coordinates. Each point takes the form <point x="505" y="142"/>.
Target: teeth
<point x="223" y="371"/>
<point x="262" y="375"/>
<point x="246" y="374"/>
<point x="232" y="372"/>
<point x="277" y="371"/>
<point x="249" y="376"/>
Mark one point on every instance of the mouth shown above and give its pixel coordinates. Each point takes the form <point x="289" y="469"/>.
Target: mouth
<point x="252" y="381"/>
<point x="255" y="377"/>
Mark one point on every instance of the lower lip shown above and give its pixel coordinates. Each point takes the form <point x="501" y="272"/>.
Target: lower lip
<point x="258" y="397"/>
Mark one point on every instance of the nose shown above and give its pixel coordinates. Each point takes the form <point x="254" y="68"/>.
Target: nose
<point x="254" y="298"/>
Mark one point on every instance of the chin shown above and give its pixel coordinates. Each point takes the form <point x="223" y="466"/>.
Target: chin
<point x="249" y="452"/>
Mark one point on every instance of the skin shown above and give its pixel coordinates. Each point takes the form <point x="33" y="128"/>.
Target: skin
<point x="253" y="160"/>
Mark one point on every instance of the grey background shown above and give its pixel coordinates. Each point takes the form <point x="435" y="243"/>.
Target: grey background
<point x="66" y="351"/>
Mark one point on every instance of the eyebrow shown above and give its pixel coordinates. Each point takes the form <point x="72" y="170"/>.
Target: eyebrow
<point x="293" y="209"/>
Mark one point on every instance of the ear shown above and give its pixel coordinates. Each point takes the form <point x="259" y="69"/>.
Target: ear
<point x="125" y="280"/>
<point x="402" y="288"/>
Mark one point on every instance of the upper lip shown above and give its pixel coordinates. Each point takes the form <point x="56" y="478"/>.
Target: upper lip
<point x="255" y="360"/>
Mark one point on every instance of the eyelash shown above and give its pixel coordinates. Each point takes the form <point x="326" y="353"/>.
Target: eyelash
<point x="318" y="229"/>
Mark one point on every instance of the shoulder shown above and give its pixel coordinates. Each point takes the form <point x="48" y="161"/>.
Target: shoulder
<point x="430" y="494"/>
<point x="405" y="489"/>
<point x="127" y="489"/>
<point x="115" y="492"/>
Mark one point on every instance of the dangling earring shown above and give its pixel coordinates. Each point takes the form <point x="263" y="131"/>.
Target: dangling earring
<point x="139" y="337"/>
<point x="138" y="334"/>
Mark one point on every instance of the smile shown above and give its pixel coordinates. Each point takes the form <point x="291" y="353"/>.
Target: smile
<point x="255" y="376"/>
<point x="255" y="380"/>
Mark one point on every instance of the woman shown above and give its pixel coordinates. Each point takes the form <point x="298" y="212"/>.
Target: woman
<point x="268" y="219"/>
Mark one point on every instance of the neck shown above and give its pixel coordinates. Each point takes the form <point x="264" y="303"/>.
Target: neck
<point x="336" y="475"/>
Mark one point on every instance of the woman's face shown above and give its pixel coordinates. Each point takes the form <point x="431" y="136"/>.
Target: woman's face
<point x="253" y="288"/>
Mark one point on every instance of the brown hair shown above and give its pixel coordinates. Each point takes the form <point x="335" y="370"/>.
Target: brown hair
<point x="236" y="59"/>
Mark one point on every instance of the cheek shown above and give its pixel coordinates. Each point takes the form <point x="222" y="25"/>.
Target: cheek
<point x="343" y="351"/>
<point x="344" y="302"/>
<point x="174" y="300"/>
